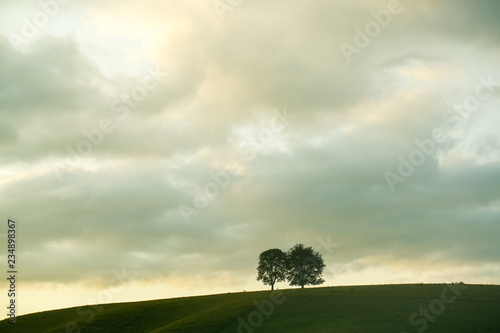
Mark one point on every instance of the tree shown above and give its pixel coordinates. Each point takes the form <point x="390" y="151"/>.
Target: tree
<point x="304" y="266"/>
<point x="272" y="267"/>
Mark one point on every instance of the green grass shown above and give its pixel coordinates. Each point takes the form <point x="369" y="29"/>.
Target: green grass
<point x="356" y="309"/>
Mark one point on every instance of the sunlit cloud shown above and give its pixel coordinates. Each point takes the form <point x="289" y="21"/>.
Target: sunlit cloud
<point x="116" y="117"/>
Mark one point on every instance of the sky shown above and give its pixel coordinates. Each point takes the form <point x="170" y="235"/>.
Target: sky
<point x="153" y="149"/>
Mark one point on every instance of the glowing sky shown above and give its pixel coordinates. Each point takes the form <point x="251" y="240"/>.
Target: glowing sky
<point x="170" y="142"/>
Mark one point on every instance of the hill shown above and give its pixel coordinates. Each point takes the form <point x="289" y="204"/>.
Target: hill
<point x="348" y="309"/>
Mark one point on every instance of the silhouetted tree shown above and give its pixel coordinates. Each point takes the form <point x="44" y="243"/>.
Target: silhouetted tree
<point x="304" y="266"/>
<point x="272" y="267"/>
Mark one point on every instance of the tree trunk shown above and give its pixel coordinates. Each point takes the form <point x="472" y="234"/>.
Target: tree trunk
<point x="302" y="286"/>
<point x="272" y="287"/>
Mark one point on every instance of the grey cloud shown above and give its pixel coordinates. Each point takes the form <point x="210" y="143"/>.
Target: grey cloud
<point x="352" y="123"/>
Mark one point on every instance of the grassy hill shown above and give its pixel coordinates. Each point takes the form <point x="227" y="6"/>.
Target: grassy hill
<point x="356" y="309"/>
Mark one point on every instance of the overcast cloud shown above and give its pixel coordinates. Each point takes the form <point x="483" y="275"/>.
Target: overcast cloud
<point x="115" y="117"/>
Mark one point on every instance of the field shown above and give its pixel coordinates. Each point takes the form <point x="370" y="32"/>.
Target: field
<point x="348" y="309"/>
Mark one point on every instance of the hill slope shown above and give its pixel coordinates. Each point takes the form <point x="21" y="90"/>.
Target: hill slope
<point x="358" y="309"/>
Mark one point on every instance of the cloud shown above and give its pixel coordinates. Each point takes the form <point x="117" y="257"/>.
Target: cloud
<point x="220" y="84"/>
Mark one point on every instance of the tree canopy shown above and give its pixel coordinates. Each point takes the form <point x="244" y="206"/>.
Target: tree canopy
<point x="304" y="266"/>
<point x="272" y="267"/>
<point x="301" y="266"/>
